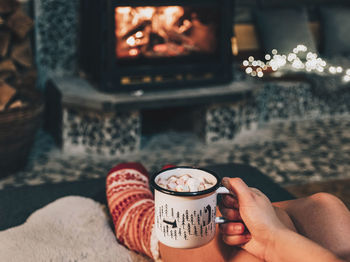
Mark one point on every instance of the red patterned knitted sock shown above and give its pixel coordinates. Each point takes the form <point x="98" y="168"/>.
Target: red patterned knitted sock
<point x="131" y="206"/>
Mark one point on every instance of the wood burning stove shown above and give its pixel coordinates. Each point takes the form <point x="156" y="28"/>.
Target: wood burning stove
<point x="156" y="44"/>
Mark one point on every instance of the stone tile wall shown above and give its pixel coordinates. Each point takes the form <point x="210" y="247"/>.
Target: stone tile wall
<point x="98" y="133"/>
<point x="56" y="38"/>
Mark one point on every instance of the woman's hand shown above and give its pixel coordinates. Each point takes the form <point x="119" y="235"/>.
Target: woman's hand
<point x="255" y="210"/>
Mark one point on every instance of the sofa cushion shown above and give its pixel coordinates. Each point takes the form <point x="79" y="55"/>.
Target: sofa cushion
<point x="283" y="29"/>
<point x="335" y="26"/>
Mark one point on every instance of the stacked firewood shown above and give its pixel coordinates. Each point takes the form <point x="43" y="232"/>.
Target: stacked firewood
<point x="16" y="61"/>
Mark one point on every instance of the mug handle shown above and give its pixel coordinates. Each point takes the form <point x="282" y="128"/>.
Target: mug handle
<point x="221" y="220"/>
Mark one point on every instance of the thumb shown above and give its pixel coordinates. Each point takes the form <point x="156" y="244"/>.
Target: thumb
<point x="238" y="187"/>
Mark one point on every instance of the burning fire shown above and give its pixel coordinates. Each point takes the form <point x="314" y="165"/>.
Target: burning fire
<point x="162" y="31"/>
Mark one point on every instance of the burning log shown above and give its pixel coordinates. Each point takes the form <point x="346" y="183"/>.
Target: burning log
<point x="139" y="27"/>
<point x="180" y="38"/>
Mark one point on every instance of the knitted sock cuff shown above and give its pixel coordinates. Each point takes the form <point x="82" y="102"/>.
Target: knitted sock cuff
<point x="131" y="206"/>
<point x="130" y="165"/>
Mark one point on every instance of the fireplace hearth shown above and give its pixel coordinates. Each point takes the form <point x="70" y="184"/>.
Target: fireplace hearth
<point x="156" y="45"/>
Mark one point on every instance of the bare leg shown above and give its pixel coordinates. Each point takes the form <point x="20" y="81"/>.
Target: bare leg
<point x="322" y="218"/>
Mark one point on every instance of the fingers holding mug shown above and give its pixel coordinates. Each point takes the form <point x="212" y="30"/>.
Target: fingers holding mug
<point x="236" y="240"/>
<point x="229" y="201"/>
<point x="232" y="228"/>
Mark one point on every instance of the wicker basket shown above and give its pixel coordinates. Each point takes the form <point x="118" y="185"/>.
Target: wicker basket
<point x="17" y="132"/>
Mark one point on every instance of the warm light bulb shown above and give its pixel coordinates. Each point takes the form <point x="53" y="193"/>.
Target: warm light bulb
<point x="267" y="57"/>
<point x="346" y="78"/>
<point x="260" y="63"/>
<point x="308" y="55"/>
<point x="248" y="70"/>
<point x="276" y="61"/>
<point x="332" y="70"/>
<point x="339" y="69"/>
<point x="301" y="48"/>
<point x="291" y="57"/>
<point x="320" y="69"/>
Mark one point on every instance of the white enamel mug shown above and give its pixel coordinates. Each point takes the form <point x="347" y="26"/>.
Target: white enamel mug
<point x="186" y="219"/>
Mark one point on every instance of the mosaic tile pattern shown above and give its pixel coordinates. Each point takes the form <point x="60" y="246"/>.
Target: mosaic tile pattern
<point x="290" y="152"/>
<point x="285" y="100"/>
<point x="277" y="100"/>
<point x="332" y="91"/>
<point x="56" y="27"/>
<point x="103" y="134"/>
<point x="224" y="121"/>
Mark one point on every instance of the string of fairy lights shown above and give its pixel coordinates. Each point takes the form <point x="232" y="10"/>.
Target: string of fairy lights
<point x="276" y="61"/>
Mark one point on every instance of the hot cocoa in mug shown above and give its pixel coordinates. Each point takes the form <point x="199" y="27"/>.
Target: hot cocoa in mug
<point x="185" y="206"/>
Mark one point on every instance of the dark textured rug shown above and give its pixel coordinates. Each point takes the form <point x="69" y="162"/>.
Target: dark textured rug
<point x="16" y="204"/>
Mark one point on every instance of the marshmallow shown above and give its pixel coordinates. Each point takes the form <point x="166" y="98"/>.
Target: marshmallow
<point x="184" y="183"/>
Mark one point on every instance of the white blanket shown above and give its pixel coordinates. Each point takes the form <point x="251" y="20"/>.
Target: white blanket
<point x="69" y="229"/>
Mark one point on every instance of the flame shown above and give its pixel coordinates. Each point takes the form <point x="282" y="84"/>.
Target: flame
<point x="171" y="14"/>
<point x="123" y="10"/>
<point x="133" y="52"/>
<point x="165" y="16"/>
<point x="160" y="48"/>
<point x="154" y="31"/>
<point x="139" y="34"/>
<point x="131" y="41"/>
<point x="145" y="12"/>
